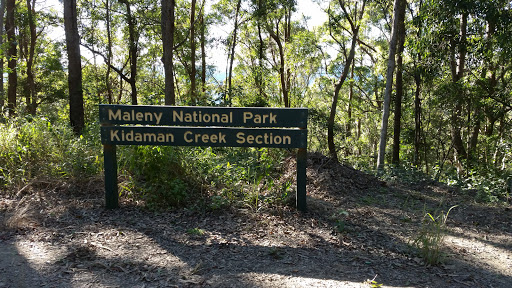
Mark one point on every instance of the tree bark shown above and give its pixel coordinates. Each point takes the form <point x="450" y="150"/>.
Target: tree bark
<point x="193" y="93"/>
<point x="457" y="75"/>
<point x="10" y="29"/>
<point x="399" y="5"/>
<point x="31" y="95"/>
<point x="232" y="53"/>
<point x="203" y="55"/>
<point x="132" y="43"/>
<point x="168" y="48"/>
<point x="399" y="88"/>
<point x="355" y="26"/>
<point x="2" y="92"/>
<point x="110" y="97"/>
<point x="76" y="100"/>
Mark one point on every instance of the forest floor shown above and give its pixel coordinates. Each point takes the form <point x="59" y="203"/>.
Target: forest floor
<point x="358" y="229"/>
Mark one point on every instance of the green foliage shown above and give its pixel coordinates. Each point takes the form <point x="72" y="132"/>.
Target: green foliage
<point x="240" y="174"/>
<point x="158" y="176"/>
<point x="429" y="240"/>
<point x="406" y="173"/>
<point x="34" y="147"/>
<point x="195" y="232"/>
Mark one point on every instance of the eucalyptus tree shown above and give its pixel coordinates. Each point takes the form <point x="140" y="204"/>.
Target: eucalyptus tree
<point x="35" y="58"/>
<point x="76" y="98"/>
<point x="277" y="20"/>
<point x="230" y="10"/>
<point x="2" y="56"/>
<point x="12" y="55"/>
<point x="398" y="19"/>
<point x="168" y="27"/>
<point x="345" y="21"/>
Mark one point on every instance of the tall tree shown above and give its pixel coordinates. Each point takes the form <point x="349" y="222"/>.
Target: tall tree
<point x="233" y="44"/>
<point x="399" y="87"/>
<point x="12" y="54"/>
<point x="2" y="55"/>
<point x="192" y="70"/>
<point x="133" y="39"/>
<point x="398" y="16"/>
<point x="76" y="99"/>
<point x="168" y="27"/>
<point x="278" y="25"/>
<point x="457" y="65"/>
<point x="30" y="93"/>
<point x="354" y="19"/>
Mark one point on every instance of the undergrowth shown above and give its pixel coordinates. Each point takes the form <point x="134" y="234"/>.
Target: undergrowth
<point x="430" y="238"/>
<point x="33" y="148"/>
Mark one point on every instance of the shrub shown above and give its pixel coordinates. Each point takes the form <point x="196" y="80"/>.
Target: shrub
<point x="429" y="241"/>
<point x="34" y="147"/>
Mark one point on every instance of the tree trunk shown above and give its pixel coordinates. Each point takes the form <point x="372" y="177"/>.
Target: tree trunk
<point x="399" y="89"/>
<point x="203" y="54"/>
<point x="193" y="94"/>
<point x="76" y="100"/>
<point x="348" y="126"/>
<point x="31" y="95"/>
<point x="282" y="75"/>
<point x="109" y="53"/>
<point x="457" y="75"/>
<point x="2" y="92"/>
<point x="261" y="58"/>
<point x="355" y="26"/>
<point x="337" y="88"/>
<point x="229" y="92"/>
<point x="168" y="48"/>
<point x="12" y="54"/>
<point x="399" y="6"/>
<point x="417" y="117"/>
<point x="132" y="43"/>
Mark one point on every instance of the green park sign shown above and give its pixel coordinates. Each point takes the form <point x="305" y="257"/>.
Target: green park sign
<point x="201" y="126"/>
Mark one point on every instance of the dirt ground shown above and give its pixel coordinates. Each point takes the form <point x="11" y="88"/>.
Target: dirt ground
<point x="358" y="229"/>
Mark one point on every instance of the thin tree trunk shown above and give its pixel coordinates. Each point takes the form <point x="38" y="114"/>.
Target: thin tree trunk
<point x="32" y="101"/>
<point x="417" y="117"/>
<point x="76" y="100"/>
<point x="10" y="29"/>
<point x="457" y="75"/>
<point x="355" y="26"/>
<point x="282" y="75"/>
<point x="132" y="50"/>
<point x="399" y="5"/>
<point x="193" y="94"/>
<point x="348" y="126"/>
<point x="203" y="54"/>
<point x="2" y="92"/>
<point x="399" y="89"/>
<point x="168" y="48"/>
<point x="261" y="55"/>
<point x="417" y="102"/>
<point x="109" y="54"/>
<point x="229" y="92"/>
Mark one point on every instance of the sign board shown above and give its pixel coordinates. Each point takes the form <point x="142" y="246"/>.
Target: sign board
<point x="202" y="126"/>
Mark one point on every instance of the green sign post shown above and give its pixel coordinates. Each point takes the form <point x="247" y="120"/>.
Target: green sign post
<point x="201" y="126"/>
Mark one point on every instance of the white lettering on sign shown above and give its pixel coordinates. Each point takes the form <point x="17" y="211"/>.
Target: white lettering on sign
<point x="266" y="138"/>
<point x="199" y="117"/>
<point x="134" y="116"/>
<point x="260" y="118"/>
<point x="131" y="136"/>
<point x="190" y="137"/>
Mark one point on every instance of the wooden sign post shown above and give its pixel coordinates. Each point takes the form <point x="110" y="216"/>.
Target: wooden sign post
<point x="201" y="126"/>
